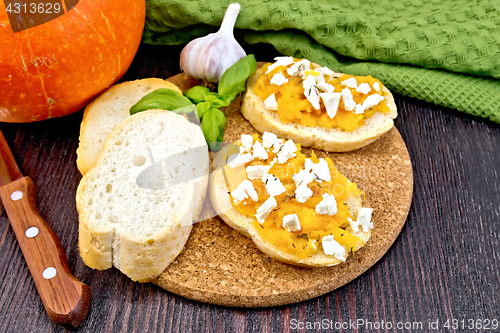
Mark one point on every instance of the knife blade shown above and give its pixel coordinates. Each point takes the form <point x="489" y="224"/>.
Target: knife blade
<point x="65" y="299"/>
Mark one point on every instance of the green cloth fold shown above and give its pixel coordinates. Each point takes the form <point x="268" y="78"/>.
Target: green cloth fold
<point x="445" y="52"/>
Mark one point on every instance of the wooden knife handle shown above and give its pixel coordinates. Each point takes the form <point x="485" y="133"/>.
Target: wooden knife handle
<point x="65" y="299"/>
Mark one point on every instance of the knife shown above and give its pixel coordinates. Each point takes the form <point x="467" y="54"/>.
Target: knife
<point x="65" y="299"/>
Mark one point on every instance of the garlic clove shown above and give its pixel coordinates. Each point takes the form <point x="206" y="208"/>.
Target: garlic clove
<point x="207" y="58"/>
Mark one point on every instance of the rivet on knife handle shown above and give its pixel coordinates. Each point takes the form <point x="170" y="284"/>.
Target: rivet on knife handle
<point x="65" y="299"/>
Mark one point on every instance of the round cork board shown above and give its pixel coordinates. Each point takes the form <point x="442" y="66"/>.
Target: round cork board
<point x="220" y="266"/>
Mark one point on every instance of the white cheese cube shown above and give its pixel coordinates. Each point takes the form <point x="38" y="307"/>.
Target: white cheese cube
<point x="246" y="143"/>
<point x="308" y="165"/>
<point x="280" y="61"/>
<point x="321" y="171"/>
<point x="349" y="103"/>
<point x="286" y="152"/>
<point x="369" y="102"/>
<point x="364" y="88"/>
<point x="270" y="103"/>
<point x="264" y="209"/>
<point x="278" y="79"/>
<point x="299" y="67"/>
<point x="291" y="222"/>
<point x="244" y="190"/>
<point x="302" y="193"/>
<point x="311" y="92"/>
<point x="376" y="86"/>
<point x="350" y="83"/>
<point x="257" y="171"/>
<point x="241" y="160"/>
<point x="304" y="177"/>
<point x="270" y="139"/>
<point x="331" y="101"/>
<point x="319" y="78"/>
<point x="325" y="71"/>
<point x="259" y="151"/>
<point x="327" y="206"/>
<point x="273" y="185"/>
<point x="332" y="247"/>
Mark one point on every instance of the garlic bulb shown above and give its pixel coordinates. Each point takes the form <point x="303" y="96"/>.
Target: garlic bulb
<point x="208" y="57"/>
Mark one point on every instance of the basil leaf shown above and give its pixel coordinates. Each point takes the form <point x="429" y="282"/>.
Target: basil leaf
<point x="234" y="78"/>
<point x="210" y="124"/>
<point x="197" y="94"/>
<point x="201" y="108"/>
<point x="163" y="98"/>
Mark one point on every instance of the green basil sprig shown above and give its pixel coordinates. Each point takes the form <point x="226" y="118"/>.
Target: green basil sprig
<point x="202" y="101"/>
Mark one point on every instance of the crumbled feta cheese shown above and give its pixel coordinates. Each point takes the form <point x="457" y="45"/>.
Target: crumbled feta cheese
<point x="331" y="101"/>
<point x="364" y="217"/>
<point x="327" y="87"/>
<point x="259" y="151"/>
<point x="327" y="206"/>
<point x="325" y="71"/>
<point x="350" y="83"/>
<point x="364" y="88"/>
<point x="244" y="190"/>
<point x="321" y="171"/>
<point x="270" y="103"/>
<point x="332" y="247"/>
<point x="303" y="177"/>
<point x="270" y="139"/>
<point x="302" y="193"/>
<point x="257" y="171"/>
<point x="286" y="152"/>
<point x="277" y="147"/>
<point x="349" y="103"/>
<point x="280" y="61"/>
<point x="241" y="160"/>
<point x="246" y="143"/>
<point x="273" y="185"/>
<point x="278" y="79"/>
<point x="369" y="102"/>
<point x="291" y="222"/>
<point x="354" y="224"/>
<point x="266" y="208"/>
<point x="376" y="86"/>
<point x="311" y="92"/>
<point x="299" y="67"/>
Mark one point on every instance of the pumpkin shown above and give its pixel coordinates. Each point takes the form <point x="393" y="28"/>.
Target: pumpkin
<point x="55" y="68"/>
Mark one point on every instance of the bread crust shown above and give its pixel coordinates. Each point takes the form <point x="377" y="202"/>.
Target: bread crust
<point x="221" y="202"/>
<point x="327" y="139"/>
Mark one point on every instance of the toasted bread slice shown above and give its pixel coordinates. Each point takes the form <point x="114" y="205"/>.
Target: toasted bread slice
<point x="221" y="201"/>
<point x="107" y="111"/>
<point x="140" y="230"/>
<point x="327" y="139"/>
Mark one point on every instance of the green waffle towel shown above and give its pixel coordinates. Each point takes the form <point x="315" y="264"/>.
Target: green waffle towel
<point x="446" y="52"/>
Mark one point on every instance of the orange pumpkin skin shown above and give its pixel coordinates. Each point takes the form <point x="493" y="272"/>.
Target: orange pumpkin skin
<point x="56" y="68"/>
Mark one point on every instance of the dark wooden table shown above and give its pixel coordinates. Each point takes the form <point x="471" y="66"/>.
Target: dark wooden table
<point x="444" y="266"/>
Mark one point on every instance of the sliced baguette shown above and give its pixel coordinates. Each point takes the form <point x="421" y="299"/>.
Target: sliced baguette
<point x="138" y="230"/>
<point x="327" y="139"/>
<point x="221" y="202"/>
<point x="107" y="111"/>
